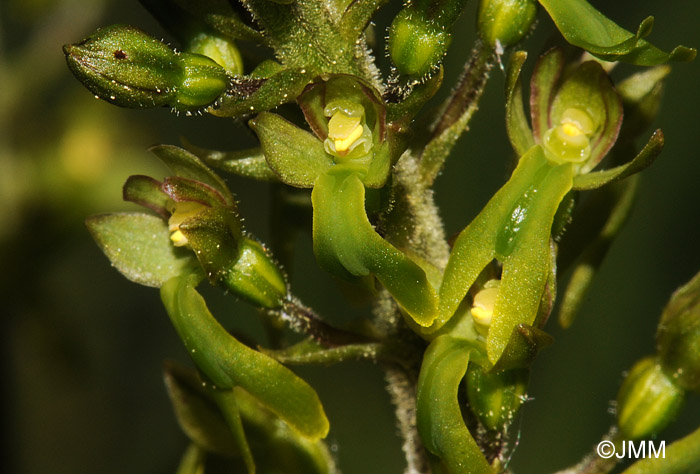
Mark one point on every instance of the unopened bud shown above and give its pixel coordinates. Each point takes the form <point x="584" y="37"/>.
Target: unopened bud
<point x="127" y="67"/>
<point x="505" y="22"/>
<point x="648" y="400"/>
<point x="678" y="336"/>
<point x="496" y="397"/>
<point x="416" y="45"/>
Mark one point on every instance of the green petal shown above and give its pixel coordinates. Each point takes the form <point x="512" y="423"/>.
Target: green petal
<point x="643" y="160"/>
<point x="147" y="192"/>
<point x="186" y="165"/>
<point x="229" y="363"/>
<point x="585" y="27"/>
<point x="139" y="246"/>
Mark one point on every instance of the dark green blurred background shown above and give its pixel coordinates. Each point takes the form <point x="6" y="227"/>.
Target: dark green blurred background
<point x="82" y="348"/>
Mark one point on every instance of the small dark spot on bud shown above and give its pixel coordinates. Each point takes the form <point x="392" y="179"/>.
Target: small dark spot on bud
<point x="119" y="54"/>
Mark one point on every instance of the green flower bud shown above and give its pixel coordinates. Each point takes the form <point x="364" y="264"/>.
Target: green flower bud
<point x="416" y="46"/>
<point x="678" y="336"/>
<point x="505" y="22"/>
<point x="496" y="397"/>
<point x="256" y="277"/>
<point x="220" y="49"/>
<point x="126" y="67"/>
<point x="203" y="81"/>
<point x="648" y="400"/>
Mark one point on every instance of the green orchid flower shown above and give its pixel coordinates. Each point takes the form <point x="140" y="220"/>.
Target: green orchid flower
<point x="576" y="118"/>
<point x="347" y="157"/>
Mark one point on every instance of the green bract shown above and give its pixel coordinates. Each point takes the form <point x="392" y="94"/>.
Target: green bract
<point x="127" y="67"/>
<point x="585" y="27"/>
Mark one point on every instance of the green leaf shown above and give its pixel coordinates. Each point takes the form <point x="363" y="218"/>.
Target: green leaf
<point x="643" y="160"/>
<point x="249" y="163"/>
<point x="682" y="456"/>
<point x="439" y="418"/>
<point x="186" y="165"/>
<point x="229" y="363"/>
<point x="251" y="95"/>
<point x="147" y="192"/>
<point x="346" y="245"/>
<point x="294" y="154"/>
<point x="196" y="413"/>
<point x="517" y="126"/>
<point x="585" y="27"/>
<point x="616" y="204"/>
<point x="139" y="246"/>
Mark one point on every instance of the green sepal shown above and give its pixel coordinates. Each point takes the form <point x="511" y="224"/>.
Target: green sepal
<point x="252" y="95"/>
<point x="249" y="163"/>
<point x="514" y="227"/>
<point x="615" y="203"/>
<point x="148" y="192"/>
<point x="343" y="87"/>
<point x="196" y="413"/>
<point x="548" y="70"/>
<point x="585" y="27"/>
<point x="139" y="246"/>
<point x="214" y="235"/>
<point x="186" y="165"/>
<point x="185" y="189"/>
<point x="229" y="363"/>
<point x="295" y="155"/>
<point x="439" y="417"/>
<point x="347" y="246"/>
<point x="640" y="162"/>
<point x="496" y="397"/>
<point x="523" y="346"/>
<point x="517" y="126"/>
